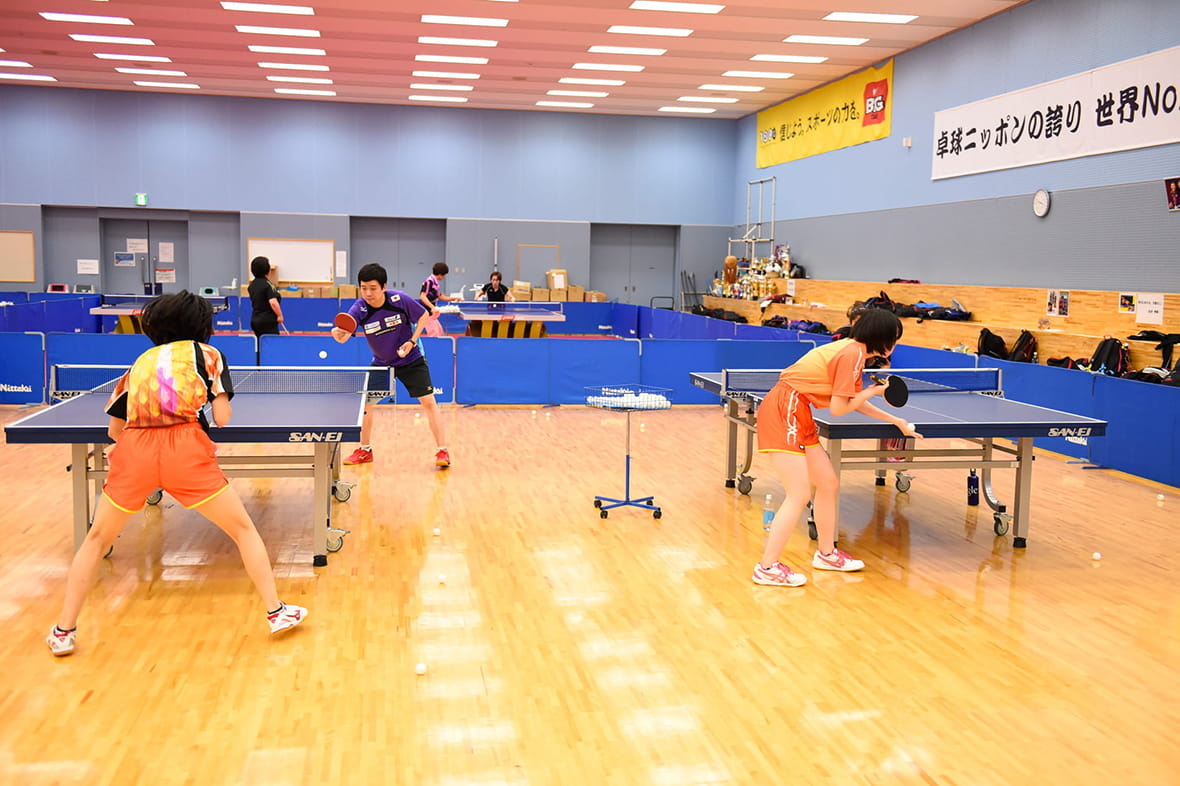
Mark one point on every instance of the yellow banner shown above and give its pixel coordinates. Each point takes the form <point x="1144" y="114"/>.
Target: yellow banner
<point x="858" y="108"/>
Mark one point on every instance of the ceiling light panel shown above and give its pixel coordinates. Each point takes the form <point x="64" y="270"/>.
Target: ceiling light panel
<point x="884" y="19"/>
<point x="458" y="88"/>
<point x="624" y="50"/>
<point x="676" y="32"/>
<point x="295" y="91"/>
<point x="309" y="80"/>
<point x="476" y="21"/>
<point x="15" y="64"/>
<point x="607" y="67"/>
<point x="268" y="8"/>
<point x="426" y="39"/>
<point x="87" y="19"/>
<point x="441" y="99"/>
<point x="789" y="58"/>
<point x="295" y="66"/>
<point x="577" y="93"/>
<point x="689" y="110"/>
<point x="292" y="31"/>
<point x="832" y="40"/>
<point x="451" y="59"/>
<point x="759" y="74"/>
<point x="286" y="50"/>
<point x="734" y="88"/>
<point x="150" y="72"/>
<point x="140" y="58"/>
<point x="112" y="39"/>
<point x="28" y="77"/>
<point x="681" y="8"/>
<point x="443" y="75"/>
<point x="572" y="80"/>
<point x="565" y="104"/>
<point x="181" y="85"/>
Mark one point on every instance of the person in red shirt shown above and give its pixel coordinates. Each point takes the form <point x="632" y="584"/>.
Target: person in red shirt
<point x="828" y="376"/>
<point x="158" y="428"/>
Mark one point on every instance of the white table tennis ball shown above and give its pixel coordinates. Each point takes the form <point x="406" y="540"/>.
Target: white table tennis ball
<point x="1096" y="556"/>
<point x="442" y="578"/>
<point x="420" y="669"/>
<point x="437" y="531"/>
<point x="323" y="353"/>
<point x="1160" y="497"/>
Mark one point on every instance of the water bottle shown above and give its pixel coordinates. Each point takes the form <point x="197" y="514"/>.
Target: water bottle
<point x="767" y="514"/>
<point x="972" y="488"/>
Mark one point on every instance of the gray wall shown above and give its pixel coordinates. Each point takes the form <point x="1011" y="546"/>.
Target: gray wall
<point x="470" y="244"/>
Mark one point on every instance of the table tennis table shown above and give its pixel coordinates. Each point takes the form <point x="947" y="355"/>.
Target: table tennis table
<point x="319" y="408"/>
<point x="965" y="404"/>
<point x="507" y="320"/>
<point x="128" y="308"/>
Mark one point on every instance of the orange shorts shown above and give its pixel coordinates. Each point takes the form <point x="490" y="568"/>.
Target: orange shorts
<point x="182" y="460"/>
<point x="785" y="424"/>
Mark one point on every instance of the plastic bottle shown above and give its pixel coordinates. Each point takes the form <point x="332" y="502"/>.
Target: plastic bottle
<point x="972" y="488"/>
<point x="767" y="513"/>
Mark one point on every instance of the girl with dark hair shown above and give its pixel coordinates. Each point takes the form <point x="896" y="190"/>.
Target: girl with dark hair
<point x="495" y="291"/>
<point x="432" y="293"/>
<point x="158" y="428"/>
<point x="266" y="315"/>
<point x="828" y="376"/>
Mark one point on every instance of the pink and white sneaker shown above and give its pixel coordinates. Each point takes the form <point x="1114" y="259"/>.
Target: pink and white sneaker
<point x="837" y="560"/>
<point x="778" y="575"/>
<point x="61" y="642"/>
<point x="287" y="616"/>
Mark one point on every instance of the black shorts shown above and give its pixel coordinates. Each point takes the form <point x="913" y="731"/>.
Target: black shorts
<point x="415" y="378"/>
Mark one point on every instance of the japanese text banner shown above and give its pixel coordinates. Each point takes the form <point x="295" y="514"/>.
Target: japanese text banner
<point x="1124" y="106"/>
<point x="856" y="109"/>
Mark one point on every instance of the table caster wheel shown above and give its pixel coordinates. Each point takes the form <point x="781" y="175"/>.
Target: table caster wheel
<point x="335" y="543"/>
<point x="598" y="503"/>
<point x="155" y="497"/>
<point x="902" y="483"/>
<point x="745" y="484"/>
<point x="603" y="513"/>
<point x="341" y="493"/>
<point x="1000" y="524"/>
<point x="655" y="514"/>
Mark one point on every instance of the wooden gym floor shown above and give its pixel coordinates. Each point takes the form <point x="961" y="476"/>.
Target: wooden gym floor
<point x="567" y="649"/>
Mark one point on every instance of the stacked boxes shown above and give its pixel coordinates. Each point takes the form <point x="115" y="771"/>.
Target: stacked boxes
<point x="522" y="290"/>
<point x="541" y="294"/>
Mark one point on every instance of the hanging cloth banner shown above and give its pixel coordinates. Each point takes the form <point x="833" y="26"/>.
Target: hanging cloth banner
<point x="856" y="109"/>
<point x="1125" y="106"/>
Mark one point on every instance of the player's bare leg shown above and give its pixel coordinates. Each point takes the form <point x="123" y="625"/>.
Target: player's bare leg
<point x="827" y="492"/>
<point x="108" y="523"/>
<point x="227" y="512"/>
<point x="434" y="418"/>
<point x="793" y="472"/>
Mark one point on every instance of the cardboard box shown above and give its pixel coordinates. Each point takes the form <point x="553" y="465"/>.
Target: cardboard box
<point x="557" y="278"/>
<point x="349" y="291"/>
<point x="288" y="293"/>
<point x="593" y="296"/>
<point x="522" y="294"/>
<point x="559" y="295"/>
<point x="245" y="290"/>
<point x="577" y="294"/>
<point x="540" y="293"/>
<point x="521" y="285"/>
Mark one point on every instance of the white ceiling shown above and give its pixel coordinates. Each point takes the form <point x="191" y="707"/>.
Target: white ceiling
<point x="371" y="46"/>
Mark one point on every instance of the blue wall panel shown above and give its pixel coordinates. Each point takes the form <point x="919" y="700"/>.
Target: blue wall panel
<point x="503" y="370"/>
<point x="22" y="368"/>
<point x="94" y="348"/>
<point x="668" y="363"/>
<point x="1144" y="418"/>
<point x="575" y="364"/>
<point x="309" y="314"/>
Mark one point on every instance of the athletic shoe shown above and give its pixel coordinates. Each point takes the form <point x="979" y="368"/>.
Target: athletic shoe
<point x="837" y="560"/>
<point x="286" y="617"/>
<point x="360" y="456"/>
<point x="442" y="458"/>
<point x="61" y="642"/>
<point x="778" y="575"/>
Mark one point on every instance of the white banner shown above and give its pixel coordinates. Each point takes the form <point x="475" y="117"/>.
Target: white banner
<point x="1124" y="106"/>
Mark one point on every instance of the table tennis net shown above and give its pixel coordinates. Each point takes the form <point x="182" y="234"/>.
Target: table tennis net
<point x="918" y="380"/>
<point x="67" y="381"/>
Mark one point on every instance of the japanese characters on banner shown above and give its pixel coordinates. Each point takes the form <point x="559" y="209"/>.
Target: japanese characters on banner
<point x="853" y="110"/>
<point x="1124" y="106"/>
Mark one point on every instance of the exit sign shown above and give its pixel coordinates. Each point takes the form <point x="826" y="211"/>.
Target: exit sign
<point x="141" y="200"/>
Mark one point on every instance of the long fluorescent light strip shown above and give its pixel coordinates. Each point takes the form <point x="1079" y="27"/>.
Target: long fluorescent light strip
<point x="678" y="32"/>
<point x="708" y="100"/>
<point x="443" y="75"/>
<point x="607" y="67"/>
<point x="734" y="88"/>
<point x="759" y="74"/>
<point x="295" y="66"/>
<point x="577" y="93"/>
<point x="29" y="77"/>
<point x="267" y="8"/>
<point x="566" y="104"/>
<point x="451" y="59"/>
<point x="421" y="86"/>
<point x="570" y="80"/>
<point x="441" y="99"/>
<point x="87" y="19"/>
<point x="834" y="40"/>
<point x="475" y="21"/>
<point x="150" y="72"/>
<point x="15" y="64"/>
<point x="285" y="50"/>
<point x="184" y="85"/>
<point x="426" y="39"/>
<point x="298" y="92"/>
<point x="884" y="19"/>
<point x="681" y="8"/>
<point x="141" y="58"/>
<point x="624" y="50"/>
<point x="292" y="31"/>
<point x="112" y="39"/>
<point x="693" y="110"/>
<point x="789" y="58"/>
<point x="311" y="80"/>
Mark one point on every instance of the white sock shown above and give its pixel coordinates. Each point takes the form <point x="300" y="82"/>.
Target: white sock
<point x="367" y="447"/>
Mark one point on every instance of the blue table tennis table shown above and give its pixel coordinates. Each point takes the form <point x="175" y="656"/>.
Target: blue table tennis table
<point x="314" y="407"/>
<point x="963" y="404"/>
<point x="525" y="319"/>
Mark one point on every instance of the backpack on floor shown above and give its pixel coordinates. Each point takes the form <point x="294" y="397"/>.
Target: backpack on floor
<point x="991" y="345"/>
<point x="1025" y="348"/>
<point x="1111" y="356"/>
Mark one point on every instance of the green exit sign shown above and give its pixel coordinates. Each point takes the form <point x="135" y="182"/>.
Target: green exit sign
<point x="141" y="200"/>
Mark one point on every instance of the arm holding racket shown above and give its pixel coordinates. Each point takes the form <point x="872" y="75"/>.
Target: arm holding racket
<point x="343" y="326"/>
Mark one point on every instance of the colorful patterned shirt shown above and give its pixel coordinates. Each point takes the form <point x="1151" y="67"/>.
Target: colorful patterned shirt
<point x="168" y="385"/>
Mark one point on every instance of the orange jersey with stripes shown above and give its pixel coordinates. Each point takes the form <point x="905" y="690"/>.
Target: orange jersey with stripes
<point x="168" y="385"/>
<point x="833" y="369"/>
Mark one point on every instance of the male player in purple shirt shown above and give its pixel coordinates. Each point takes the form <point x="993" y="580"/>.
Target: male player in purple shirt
<point x="392" y="321"/>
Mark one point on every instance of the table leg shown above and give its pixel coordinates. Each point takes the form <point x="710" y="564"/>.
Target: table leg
<point x="321" y="504"/>
<point x="731" y="409"/>
<point x="80" y="463"/>
<point x="1020" y="516"/>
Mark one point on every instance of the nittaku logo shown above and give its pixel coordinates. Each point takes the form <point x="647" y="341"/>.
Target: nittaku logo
<point x="1076" y="431"/>
<point x="316" y="436"/>
<point x="6" y="388"/>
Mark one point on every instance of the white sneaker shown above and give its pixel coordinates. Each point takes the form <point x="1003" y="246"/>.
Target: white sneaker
<point x="837" y="560"/>
<point x="777" y="575"/>
<point x="286" y="617"/>
<point x="61" y="642"/>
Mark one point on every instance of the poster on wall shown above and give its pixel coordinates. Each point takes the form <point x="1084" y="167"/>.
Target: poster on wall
<point x="124" y="259"/>
<point x="1172" y="190"/>
<point x="88" y="267"/>
<point x="1057" y="303"/>
<point x="1149" y="308"/>
<point x="137" y="245"/>
<point x="165" y="275"/>
<point x="167" y="252"/>
<point x="1126" y="302"/>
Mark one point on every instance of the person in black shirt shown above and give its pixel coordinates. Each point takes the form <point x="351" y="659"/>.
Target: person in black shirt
<point x="267" y="315"/>
<point x="495" y="291"/>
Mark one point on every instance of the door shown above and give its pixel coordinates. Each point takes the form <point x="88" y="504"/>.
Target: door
<point x="653" y="265"/>
<point x="128" y="275"/>
<point x="610" y="261"/>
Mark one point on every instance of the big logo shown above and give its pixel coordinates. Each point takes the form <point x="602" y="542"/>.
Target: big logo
<point x="876" y="98"/>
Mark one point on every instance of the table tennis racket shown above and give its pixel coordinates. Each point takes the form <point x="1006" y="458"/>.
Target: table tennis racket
<point x="346" y="322"/>
<point x="897" y="393"/>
